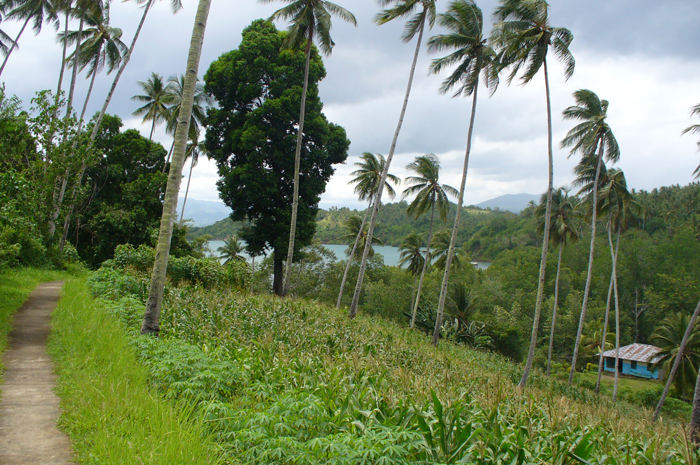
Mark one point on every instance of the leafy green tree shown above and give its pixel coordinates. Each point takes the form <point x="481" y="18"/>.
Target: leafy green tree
<point x="473" y="57"/>
<point x="524" y="36"/>
<point x="694" y="129"/>
<point x="231" y="250"/>
<point x="564" y="229"/>
<point x="156" y="99"/>
<point x="416" y="24"/>
<point x="430" y="194"/>
<point x="367" y="178"/>
<point x="311" y="19"/>
<point x="151" y="316"/>
<point x="592" y="137"/>
<point x="252" y="132"/>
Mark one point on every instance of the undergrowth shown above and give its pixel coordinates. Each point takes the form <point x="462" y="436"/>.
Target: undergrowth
<point x="295" y="382"/>
<point x="109" y="408"/>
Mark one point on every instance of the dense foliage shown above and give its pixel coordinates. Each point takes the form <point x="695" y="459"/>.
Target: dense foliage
<point x="252" y="131"/>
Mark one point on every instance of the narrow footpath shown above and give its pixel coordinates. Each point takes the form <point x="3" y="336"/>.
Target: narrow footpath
<point x="28" y="406"/>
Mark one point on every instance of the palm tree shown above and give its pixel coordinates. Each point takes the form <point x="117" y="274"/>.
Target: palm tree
<point x="37" y="10"/>
<point x="82" y="9"/>
<point x="176" y="5"/>
<point x="441" y="247"/>
<point x="5" y="41"/>
<point x="151" y="316"/>
<point x="668" y="337"/>
<point x="694" y="129"/>
<point x="311" y="19"/>
<point x="367" y="178"/>
<point x="594" y="140"/>
<point x="596" y="337"/>
<point x="429" y="195"/>
<point x="357" y="233"/>
<point x="231" y="250"/>
<point x="563" y="229"/>
<point x="524" y="36"/>
<point x="156" y="99"/>
<point x="202" y="100"/>
<point x="473" y="57"/>
<point x="401" y="9"/>
<point x="101" y="46"/>
<point x="411" y="257"/>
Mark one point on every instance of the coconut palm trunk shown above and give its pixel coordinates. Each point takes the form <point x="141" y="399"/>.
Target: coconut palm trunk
<point x="545" y="239"/>
<point x="674" y="369"/>
<point x="554" y="311"/>
<point x="352" y="312"/>
<point x="297" y="161"/>
<point x="151" y="317"/>
<point x="125" y="61"/>
<point x="425" y="266"/>
<point x="589" y="275"/>
<point x="14" y="44"/>
<point x="695" y="415"/>
<point x="617" y="318"/>
<point x="605" y="335"/>
<point x="455" y="227"/>
<point x="76" y="65"/>
<point x="89" y="93"/>
<point x="352" y="255"/>
<point x="187" y="191"/>
<point x="63" y="57"/>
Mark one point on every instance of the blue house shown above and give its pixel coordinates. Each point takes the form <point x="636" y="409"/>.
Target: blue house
<point x="634" y="360"/>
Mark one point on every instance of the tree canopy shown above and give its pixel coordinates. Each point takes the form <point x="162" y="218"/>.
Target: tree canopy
<point x="252" y="134"/>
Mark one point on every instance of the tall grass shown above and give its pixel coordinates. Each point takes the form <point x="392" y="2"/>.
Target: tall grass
<point x="295" y="382"/>
<point x="15" y="286"/>
<point x="109" y="411"/>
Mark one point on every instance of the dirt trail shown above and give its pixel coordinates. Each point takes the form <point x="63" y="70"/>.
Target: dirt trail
<point x="28" y="406"/>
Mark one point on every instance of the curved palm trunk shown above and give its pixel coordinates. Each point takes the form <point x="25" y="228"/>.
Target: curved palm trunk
<point x="545" y="239"/>
<point x="674" y="369"/>
<point x="589" y="275"/>
<point x="76" y="66"/>
<point x="617" y="317"/>
<point x="425" y="266"/>
<point x="605" y="335"/>
<point x="187" y="191"/>
<point x="151" y="317"/>
<point x="63" y="58"/>
<point x="297" y="160"/>
<point x="167" y="159"/>
<point x="125" y="61"/>
<point x="554" y="312"/>
<point x="455" y="227"/>
<point x="153" y="128"/>
<point x="378" y="198"/>
<point x="14" y="45"/>
<point x="352" y="255"/>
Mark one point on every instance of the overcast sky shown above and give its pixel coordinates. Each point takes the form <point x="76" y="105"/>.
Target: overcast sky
<point x="641" y="55"/>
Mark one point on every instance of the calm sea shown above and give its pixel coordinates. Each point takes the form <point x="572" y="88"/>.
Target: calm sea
<point x="390" y="254"/>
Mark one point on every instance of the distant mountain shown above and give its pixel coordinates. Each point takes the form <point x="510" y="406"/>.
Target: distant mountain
<point x="511" y="202"/>
<point x="203" y="212"/>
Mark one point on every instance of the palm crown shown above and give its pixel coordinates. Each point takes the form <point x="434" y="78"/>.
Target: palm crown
<point x="156" y="98"/>
<point x="694" y="129"/>
<point x="471" y="54"/>
<point x="410" y="253"/>
<point x="593" y="131"/>
<point x="565" y="214"/>
<point x="426" y="185"/>
<point x="524" y="35"/>
<point x="406" y="8"/>
<point x="311" y="19"/>
<point x="369" y="174"/>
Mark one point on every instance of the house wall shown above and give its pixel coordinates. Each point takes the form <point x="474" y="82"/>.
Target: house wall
<point x="643" y="370"/>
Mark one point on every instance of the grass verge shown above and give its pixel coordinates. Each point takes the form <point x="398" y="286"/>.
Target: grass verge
<point x="109" y="411"/>
<point x="15" y="286"/>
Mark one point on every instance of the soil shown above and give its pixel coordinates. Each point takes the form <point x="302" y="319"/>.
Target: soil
<point x="29" y="408"/>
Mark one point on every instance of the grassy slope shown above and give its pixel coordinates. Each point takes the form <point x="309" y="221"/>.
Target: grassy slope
<point x="109" y="411"/>
<point x="15" y="287"/>
<point x="290" y="381"/>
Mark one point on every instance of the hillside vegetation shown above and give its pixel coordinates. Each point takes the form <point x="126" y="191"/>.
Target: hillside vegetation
<point x="292" y="381"/>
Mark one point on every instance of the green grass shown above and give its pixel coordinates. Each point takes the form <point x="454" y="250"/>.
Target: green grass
<point x="15" y="286"/>
<point x="626" y="385"/>
<point x="109" y="411"/>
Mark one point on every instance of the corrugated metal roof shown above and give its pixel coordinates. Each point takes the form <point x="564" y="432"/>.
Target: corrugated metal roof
<point x="636" y="352"/>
